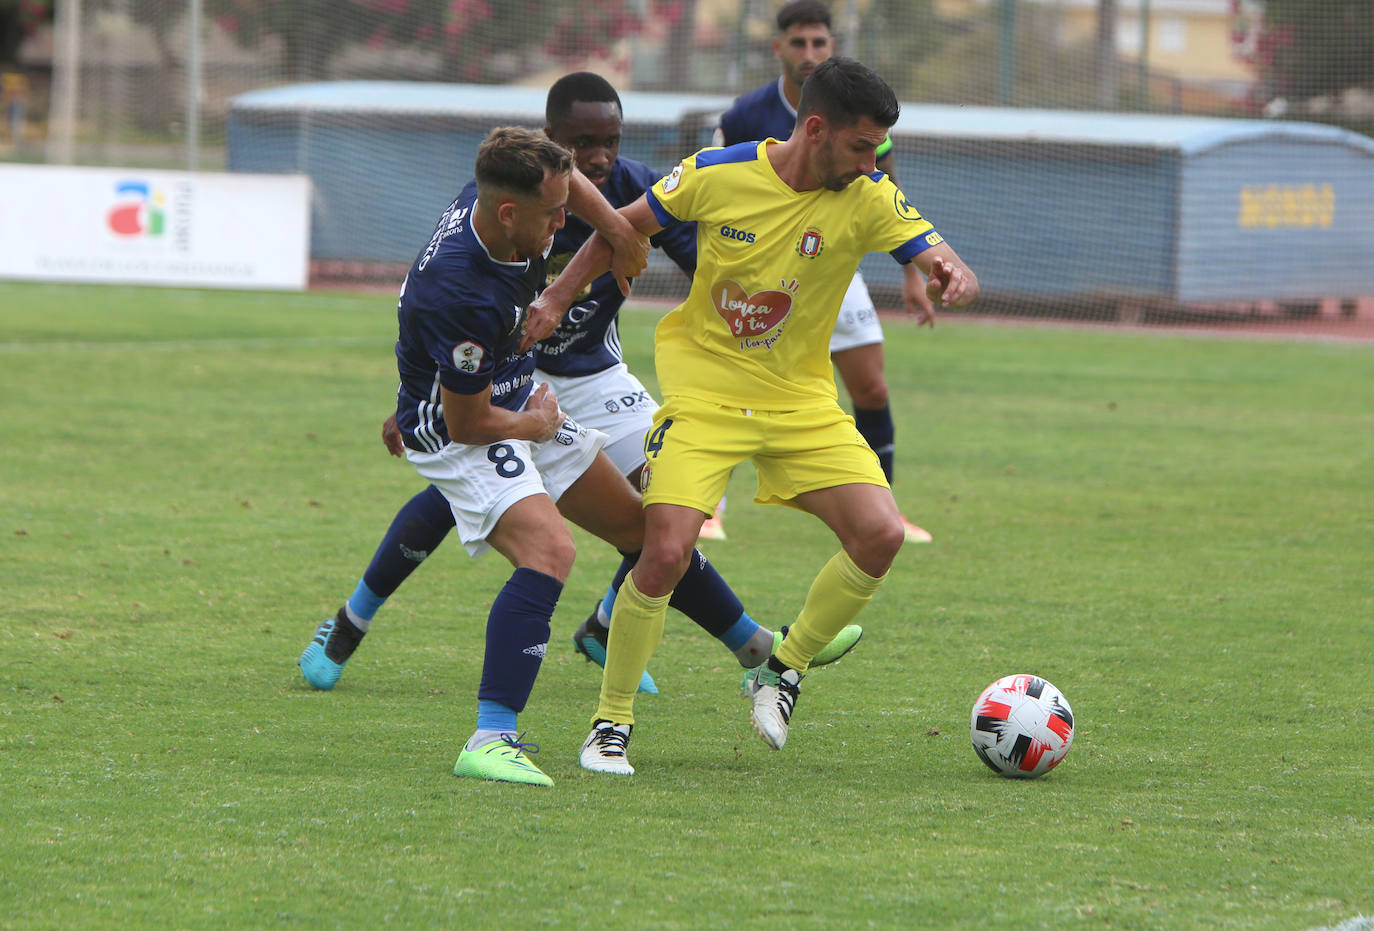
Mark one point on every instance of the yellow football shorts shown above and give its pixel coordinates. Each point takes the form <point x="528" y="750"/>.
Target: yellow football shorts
<point x="694" y="445"/>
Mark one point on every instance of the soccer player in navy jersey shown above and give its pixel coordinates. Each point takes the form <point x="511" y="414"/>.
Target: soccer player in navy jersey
<point x="581" y="362"/>
<point x="507" y="460"/>
<point x="804" y="40"/>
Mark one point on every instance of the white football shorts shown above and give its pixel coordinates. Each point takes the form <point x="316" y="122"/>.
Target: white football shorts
<point x="482" y="482"/>
<point x="858" y="323"/>
<point x="612" y="401"/>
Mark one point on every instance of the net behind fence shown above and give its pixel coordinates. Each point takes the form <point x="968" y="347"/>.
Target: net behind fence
<point x="1092" y="159"/>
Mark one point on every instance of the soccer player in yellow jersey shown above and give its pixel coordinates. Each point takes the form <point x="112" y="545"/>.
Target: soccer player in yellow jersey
<point x="744" y="367"/>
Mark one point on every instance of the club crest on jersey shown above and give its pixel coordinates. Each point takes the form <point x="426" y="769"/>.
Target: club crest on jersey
<point x="811" y="243"/>
<point x="671" y="182"/>
<point x="467" y="356"/>
<point x="756" y="319"/>
<point x="554" y="266"/>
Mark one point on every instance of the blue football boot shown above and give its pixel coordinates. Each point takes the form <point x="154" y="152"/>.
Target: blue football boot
<point x="590" y="640"/>
<point x="334" y="642"/>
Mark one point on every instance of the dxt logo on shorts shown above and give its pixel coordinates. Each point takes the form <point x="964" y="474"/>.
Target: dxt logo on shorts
<point x="626" y="402"/>
<point x="729" y="232"/>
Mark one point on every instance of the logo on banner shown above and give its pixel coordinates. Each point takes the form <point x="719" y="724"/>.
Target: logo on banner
<point x="140" y="210"/>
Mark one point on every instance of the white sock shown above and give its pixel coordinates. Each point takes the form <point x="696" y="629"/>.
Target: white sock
<point x="756" y="649"/>
<point x="481" y="738"/>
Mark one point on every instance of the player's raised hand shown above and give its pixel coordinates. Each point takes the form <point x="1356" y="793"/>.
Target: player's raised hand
<point x="543" y="404"/>
<point x="951" y="283"/>
<point x="541" y="319"/>
<point x="391" y="436"/>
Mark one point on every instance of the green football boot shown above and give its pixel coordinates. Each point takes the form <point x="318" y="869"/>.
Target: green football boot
<point x="844" y="641"/>
<point x="502" y="760"/>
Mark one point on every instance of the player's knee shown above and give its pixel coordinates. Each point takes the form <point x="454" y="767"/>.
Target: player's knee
<point x="553" y="556"/>
<point x="890" y="541"/>
<point x="868" y="393"/>
<point x="876" y="547"/>
<point x="661" y="564"/>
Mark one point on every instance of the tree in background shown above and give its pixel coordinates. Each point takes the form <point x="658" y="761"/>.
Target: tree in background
<point x="474" y="40"/>
<point x="895" y="37"/>
<point x="964" y="58"/>
<point x="1311" y="48"/>
<point x="18" y="20"/>
<point x="310" y="31"/>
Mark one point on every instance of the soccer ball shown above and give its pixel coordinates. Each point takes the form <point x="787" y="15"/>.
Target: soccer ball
<point x="1021" y="726"/>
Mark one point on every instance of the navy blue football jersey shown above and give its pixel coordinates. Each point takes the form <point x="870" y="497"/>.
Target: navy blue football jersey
<point x="460" y="315"/>
<point x="762" y="113"/>
<point x="587" y="340"/>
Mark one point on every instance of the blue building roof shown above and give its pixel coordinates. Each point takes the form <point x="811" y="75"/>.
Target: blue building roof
<point x="1185" y="134"/>
<point x="416" y="98"/>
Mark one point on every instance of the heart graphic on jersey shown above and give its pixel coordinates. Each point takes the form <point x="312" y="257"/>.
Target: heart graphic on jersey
<point x="750" y="315"/>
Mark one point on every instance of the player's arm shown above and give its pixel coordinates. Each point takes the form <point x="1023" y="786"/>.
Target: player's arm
<point x="630" y="249"/>
<point x="679" y="243"/>
<point x="949" y="280"/>
<point x="914" y="297"/>
<point x="472" y="420"/>
<point x="590" y="262"/>
<point x="391" y="438"/>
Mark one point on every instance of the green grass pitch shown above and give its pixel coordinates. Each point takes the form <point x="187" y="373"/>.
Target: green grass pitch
<point x="1176" y="531"/>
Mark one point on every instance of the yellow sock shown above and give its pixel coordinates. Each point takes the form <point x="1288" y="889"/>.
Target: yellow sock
<point x="636" y="629"/>
<point x="836" y="597"/>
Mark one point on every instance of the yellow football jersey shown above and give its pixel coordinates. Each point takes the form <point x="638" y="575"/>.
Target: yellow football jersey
<point x="772" y="269"/>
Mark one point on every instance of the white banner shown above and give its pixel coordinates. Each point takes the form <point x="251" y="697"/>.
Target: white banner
<point x="154" y="227"/>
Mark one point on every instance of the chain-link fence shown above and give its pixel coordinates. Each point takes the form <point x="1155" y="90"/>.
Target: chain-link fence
<point x="151" y="84"/>
<point x="124" y="80"/>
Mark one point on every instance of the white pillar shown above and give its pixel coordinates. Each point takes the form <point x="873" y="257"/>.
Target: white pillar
<point x="193" y="85"/>
<point x="66" y="79"/>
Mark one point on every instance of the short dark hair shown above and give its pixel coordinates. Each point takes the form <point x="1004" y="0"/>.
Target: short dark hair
<point x="842" y="90"/>
<point x="578" y="87"/>
<point x="803" y="13"/>
<point x="517" y="160"/>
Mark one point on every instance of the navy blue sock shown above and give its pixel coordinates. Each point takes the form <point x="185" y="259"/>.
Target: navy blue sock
<point x="703" y="596"/>
<point x="627" y="562"/>
<point x="517" y="636"/>
<point x="880" y="433"/>
<point x="416" y="530"/>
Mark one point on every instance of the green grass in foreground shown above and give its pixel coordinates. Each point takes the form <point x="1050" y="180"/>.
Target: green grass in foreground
<point x="1174" y="531"/>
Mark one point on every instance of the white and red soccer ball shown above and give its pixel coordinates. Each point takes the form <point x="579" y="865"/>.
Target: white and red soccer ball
<point x="1021" y="726"/>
